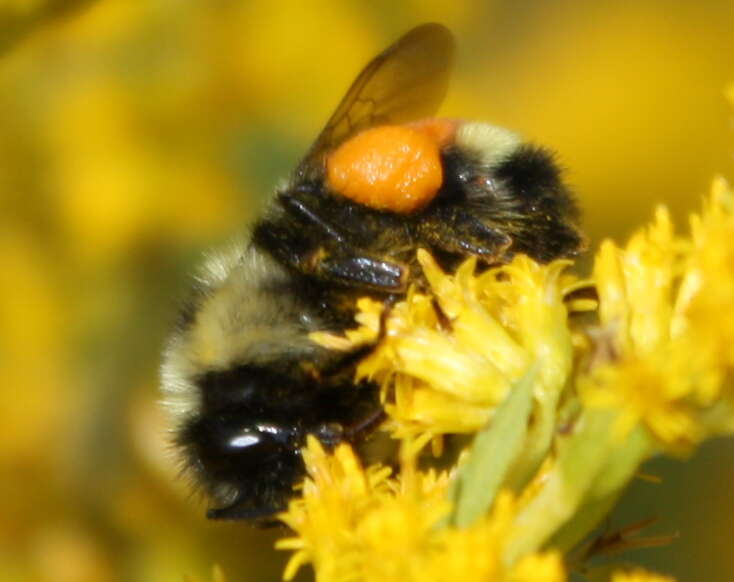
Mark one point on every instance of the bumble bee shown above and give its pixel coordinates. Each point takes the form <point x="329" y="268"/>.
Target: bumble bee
<point x="243" y="380"/>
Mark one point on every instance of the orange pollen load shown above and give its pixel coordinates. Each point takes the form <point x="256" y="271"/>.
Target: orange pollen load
<point x="393" y="167"/>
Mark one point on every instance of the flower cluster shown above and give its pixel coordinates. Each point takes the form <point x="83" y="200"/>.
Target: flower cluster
<point x="665" y="304"/>
<point x="361" y="524"/>
<point x="566" y="384"/>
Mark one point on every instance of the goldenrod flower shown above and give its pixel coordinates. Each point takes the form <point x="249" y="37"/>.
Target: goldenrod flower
<point x="358" y="524"/>
<point x="501" y="322"/>
<point x="352" y="521"/>
<point x="564" y="411"/>
<point x="666" y="304"/>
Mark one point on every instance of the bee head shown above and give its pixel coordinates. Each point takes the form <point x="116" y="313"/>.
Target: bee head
<point x="249" y="466"/>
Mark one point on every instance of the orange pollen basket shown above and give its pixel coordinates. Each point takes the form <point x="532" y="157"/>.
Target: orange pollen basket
<point x="396" y="168"/>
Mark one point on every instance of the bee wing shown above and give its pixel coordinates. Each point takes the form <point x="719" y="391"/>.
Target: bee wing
<point x="405" y="82"/>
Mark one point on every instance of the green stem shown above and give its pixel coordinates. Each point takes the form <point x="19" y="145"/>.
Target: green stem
<point x="592" y="465"/>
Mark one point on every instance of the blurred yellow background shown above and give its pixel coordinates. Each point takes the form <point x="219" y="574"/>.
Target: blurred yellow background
<point x="135" y="134"/>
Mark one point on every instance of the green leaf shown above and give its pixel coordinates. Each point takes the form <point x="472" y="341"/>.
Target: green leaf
<point x="494" y="450"/>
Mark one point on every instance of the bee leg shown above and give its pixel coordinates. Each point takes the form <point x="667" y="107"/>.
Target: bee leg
<point x="330" y="260"/>
<point x="339" y="258"/>
<point x="365" y="425"/>
<point x="444" y="321"/>
<point x="358" y="270"/>
<point x="458" y="232"/>
<point x="346" y="363"/>
<point x="370" y="415"/>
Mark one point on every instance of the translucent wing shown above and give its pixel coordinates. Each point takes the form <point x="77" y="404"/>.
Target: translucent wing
<point x="407" y="81"/>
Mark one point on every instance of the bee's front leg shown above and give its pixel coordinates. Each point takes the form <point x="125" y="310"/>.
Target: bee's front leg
<point x="319" y="250"/>
<point x="457" y="231"/>
<point x="343" y="267"/>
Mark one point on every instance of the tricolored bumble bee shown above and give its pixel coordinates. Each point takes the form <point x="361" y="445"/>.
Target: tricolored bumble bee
<point x="243" y="380"/>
